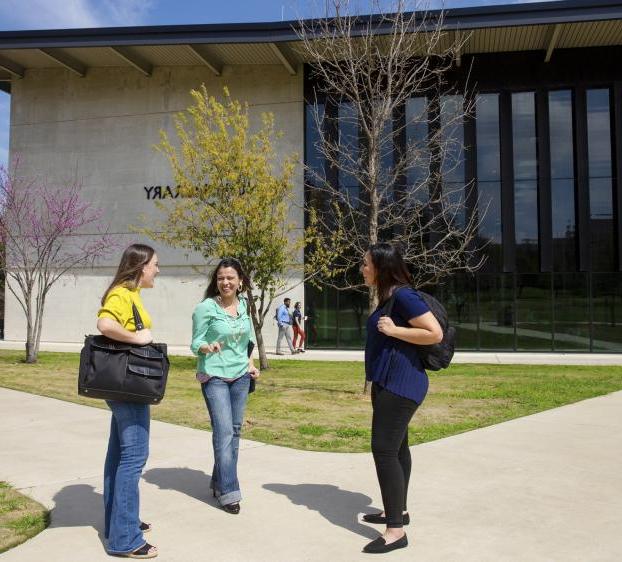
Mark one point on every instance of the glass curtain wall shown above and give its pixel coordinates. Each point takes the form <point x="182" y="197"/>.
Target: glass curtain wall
<point x="568" y="307"/>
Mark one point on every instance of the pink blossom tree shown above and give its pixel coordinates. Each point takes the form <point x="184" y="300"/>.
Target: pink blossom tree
<point x="45" y="232"/>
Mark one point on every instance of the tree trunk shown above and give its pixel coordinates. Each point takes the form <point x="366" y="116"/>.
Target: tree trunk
<point x="261" y="346"/>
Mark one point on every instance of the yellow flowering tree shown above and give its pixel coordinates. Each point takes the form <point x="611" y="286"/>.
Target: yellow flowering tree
<point x="234" y="198"/>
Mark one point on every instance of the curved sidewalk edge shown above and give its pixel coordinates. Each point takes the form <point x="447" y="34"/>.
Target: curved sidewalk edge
<point x="538" y="488"/>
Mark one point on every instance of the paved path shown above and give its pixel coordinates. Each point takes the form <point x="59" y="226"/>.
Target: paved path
<point x="540" y="488"/>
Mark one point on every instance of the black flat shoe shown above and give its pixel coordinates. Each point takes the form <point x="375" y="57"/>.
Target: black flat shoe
<point x="233" y="508"/>
<point x="379" y="546"/>
<point x="379" y="519"/>
<point x="145" y="527"/>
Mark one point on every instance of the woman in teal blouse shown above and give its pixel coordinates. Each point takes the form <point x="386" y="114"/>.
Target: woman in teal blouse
<point x="221" y="333"/>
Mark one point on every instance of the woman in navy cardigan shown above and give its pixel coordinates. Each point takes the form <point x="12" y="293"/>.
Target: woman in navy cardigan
<point x="399" y="383"/>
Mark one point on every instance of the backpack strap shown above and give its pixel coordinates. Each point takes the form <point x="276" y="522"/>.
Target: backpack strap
<point x="387" y="308"/>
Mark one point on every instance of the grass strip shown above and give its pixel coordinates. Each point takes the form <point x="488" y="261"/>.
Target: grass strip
<point x="319" y="405"/>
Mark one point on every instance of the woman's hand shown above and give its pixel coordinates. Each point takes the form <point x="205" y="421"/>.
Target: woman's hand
<point x="254" y="372"/>
<point x="215" y="347"/>
<point x="143" y="337"/>
<point x="386" y="325"/>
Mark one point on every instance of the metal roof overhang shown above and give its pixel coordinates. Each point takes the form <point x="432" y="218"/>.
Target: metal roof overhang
<point x="541" y="26"/>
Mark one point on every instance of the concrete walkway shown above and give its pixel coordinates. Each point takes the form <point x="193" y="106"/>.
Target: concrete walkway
<point x="540" y="488"/>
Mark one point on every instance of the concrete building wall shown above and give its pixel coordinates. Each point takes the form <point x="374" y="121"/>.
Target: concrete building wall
<point x="101" y="130"/>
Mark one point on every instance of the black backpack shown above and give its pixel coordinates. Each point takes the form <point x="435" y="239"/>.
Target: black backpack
<point x="438" y="355"/>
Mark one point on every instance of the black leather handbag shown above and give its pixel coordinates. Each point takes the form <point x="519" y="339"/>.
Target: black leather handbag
<point x="113" y="370"/>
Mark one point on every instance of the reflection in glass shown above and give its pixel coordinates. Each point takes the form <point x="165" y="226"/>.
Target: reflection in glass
<point x="572" y="314"/>
<point x="600" y="186"/>
<point x="353" y="312"/>
<point x="489" y="178"/>
<point x="533" y="312"/>
<point x="607" y="311"/>
<point x="562" y="180"/>
<point x="459" y="296"/>
<point x="321" y="311"/>
<point x="349" y="150"/>
<point x="496" y="306"/>
<point x="417" y="143"/>
<point x="525" y="181"/>
<point x="452" y="143"/>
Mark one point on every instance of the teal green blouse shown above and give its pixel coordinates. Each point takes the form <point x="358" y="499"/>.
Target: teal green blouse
<point x="210" y="323"/>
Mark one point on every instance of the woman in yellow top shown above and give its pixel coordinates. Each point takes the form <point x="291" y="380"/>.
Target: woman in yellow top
<point x="128" y="445"/>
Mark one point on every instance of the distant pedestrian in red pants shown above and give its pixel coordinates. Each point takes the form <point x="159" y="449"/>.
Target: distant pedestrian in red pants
<point x="298" y="330"/>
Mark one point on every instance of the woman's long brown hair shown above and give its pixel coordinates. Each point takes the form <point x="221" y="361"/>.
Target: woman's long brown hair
<point x="391" y="270"/>
<point x="130" y="268"/>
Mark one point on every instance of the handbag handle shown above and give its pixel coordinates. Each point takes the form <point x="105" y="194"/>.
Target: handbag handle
<point x="138" y="321"/>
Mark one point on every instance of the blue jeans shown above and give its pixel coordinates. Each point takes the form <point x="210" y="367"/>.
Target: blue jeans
<point x="128" y="449"/>
<point x="225" y="403"/>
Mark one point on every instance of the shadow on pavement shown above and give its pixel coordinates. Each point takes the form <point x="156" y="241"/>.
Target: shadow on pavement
<point x="79" y="505"/>
<point x="193" y="483"/>
<point x="340" y="507"/>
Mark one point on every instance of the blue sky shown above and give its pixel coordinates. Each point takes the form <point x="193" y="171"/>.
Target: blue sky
<point x="58" y="14"/>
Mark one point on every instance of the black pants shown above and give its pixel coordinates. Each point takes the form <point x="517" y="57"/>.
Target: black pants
<point x="389" y="445"/>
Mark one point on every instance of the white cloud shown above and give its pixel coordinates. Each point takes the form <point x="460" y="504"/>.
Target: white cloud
<point x="57" y="14"/>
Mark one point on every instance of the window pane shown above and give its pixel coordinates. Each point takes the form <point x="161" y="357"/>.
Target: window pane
<point x="524" y="136"/>
<point x="598" y="133"/>
<point x="533" y="312"/>
<point x="460" y="299"/>
<point x="487" y="137"/>
<point x="572" y="326"/>
<point x="526" y="225"/>
<point x="353" y="312"/>
<point x="348" y="149"/>
<point x="496" y="295"/>
<point x="321" y="312"/>
<point x="313" y="157"/>
<point x="489" y="205"/>
<point x="601" y="225"/>
<point x="525" y="192"/>
<point x="561" y="136"/>
<point x="452" y="143"/>
<point x="607" y="311"/>
<point x="564" y="233"/>
<point x="417" y="143"/>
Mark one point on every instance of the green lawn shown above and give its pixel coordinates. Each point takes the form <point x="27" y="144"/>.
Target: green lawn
<point x="319" y="405"/>
<point x="20" y="517"/>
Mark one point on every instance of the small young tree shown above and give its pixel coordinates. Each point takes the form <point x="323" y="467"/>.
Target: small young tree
<point x="42" y="231"/>
<point x="379" y="182"/>
<point x="232" y="200"/>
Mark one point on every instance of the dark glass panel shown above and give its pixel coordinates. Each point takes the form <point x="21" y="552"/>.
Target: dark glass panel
<point x="533" y="312"/>
<point x="313" y="157"/>
<point x="525" y="184"/>
<point x="600" y="186"/>
<point x="564" y="232"/>
<point x="417" y="143"/>
<point x="607" y="311"/>
<point x="524" y="136"/>
<point x="487" y="137"/>
<point x="561" y="135"/>
<point x="459" y="296"/>
<point x="598" y="133"/>
<point x="452" y="142"/>
<point x="526" y="225"/>
<point x="348" y="150"/>
<point x="353" y="312"/>
<point x="571" y="310"/>
<point x="601" y="225"/>
<point x="496" y="306"/>
<point x="321" y="312"/>
<point x="562" y="181"/>
<point x="489" y="205"/>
